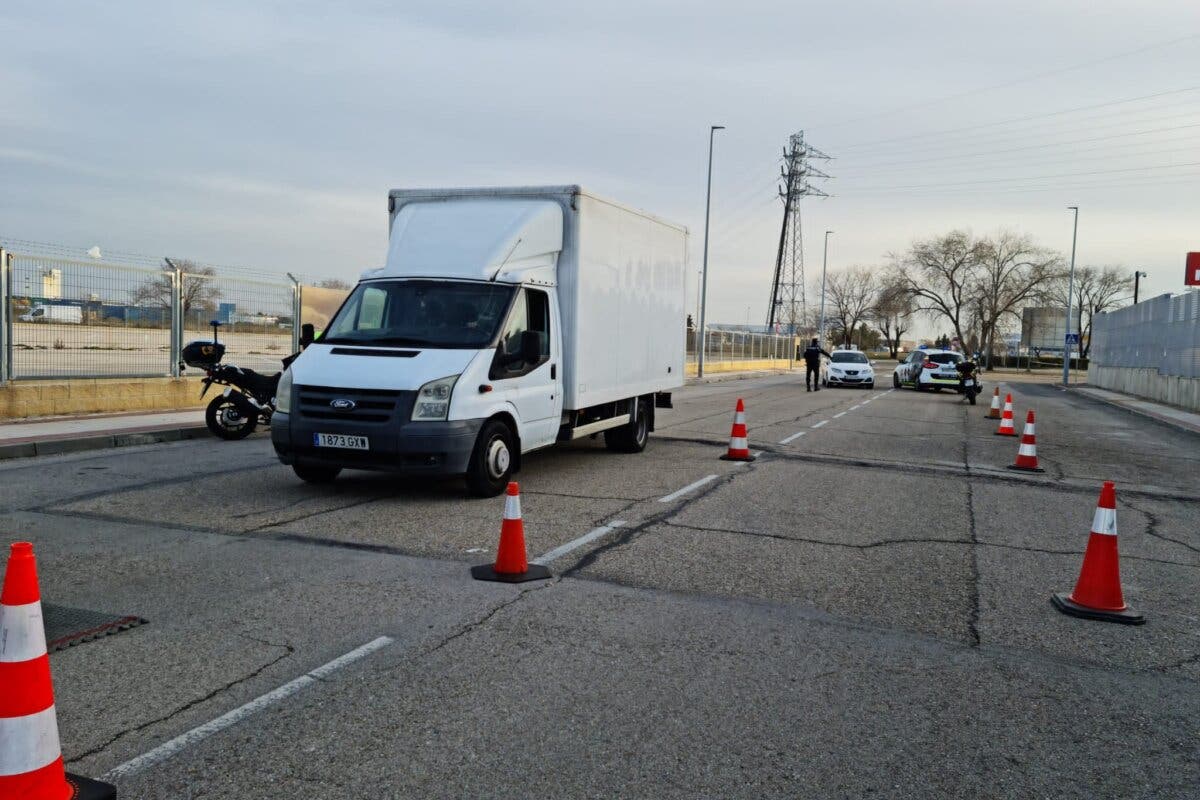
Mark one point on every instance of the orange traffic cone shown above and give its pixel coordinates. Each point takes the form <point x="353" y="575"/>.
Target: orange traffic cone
<point x="1027" y="454"/>
<point x="31" y="763"/>
<point x="1097" y="593"/>
<point x="511" y="564"/>
<point x="994" y="411"/>
<point x="1006" y="421"/>
<point x="739" y="449"/>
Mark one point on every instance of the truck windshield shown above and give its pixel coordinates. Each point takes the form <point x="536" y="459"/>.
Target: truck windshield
<point x="437" y="314"/>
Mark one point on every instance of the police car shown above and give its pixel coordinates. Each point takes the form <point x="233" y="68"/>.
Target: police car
<point x="926" y="370"/>
<point x="848" y="368"/>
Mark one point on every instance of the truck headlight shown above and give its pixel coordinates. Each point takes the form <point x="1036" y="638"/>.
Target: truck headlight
<point x="433" y="400"/>
<point x="283" y="392"/>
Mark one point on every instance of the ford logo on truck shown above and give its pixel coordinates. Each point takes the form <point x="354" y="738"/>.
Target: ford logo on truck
<point x="342" y="404"/>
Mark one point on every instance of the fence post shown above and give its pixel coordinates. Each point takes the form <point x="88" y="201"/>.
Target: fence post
<point x="297" y="307"/>
<point x="176" y="318"/>
<point x="5" y="322"/>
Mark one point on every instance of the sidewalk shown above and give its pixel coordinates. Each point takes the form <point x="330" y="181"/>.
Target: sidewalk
<point x="47" y="436"/>
<point x="1168" y="415"/>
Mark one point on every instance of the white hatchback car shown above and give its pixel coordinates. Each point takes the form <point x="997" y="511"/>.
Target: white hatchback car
<point x="848" y="368"/>
<point x="928" y="369"/>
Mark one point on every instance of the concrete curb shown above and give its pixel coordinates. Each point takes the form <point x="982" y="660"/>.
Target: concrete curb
<point x="103" y="441"/>
<point x="1132" y="406"/>
<point x="722" y="377"/>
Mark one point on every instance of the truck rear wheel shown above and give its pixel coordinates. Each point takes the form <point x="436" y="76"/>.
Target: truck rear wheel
<point x="631" y="438"/>
<point x="492" y="459"/>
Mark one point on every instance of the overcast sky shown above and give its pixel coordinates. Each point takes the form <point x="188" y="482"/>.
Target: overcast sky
<point x="268" y="134"/>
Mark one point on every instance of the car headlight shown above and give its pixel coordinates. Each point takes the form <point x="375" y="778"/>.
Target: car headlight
<point x="433" y="400"/>
<point x="283" y="392"/>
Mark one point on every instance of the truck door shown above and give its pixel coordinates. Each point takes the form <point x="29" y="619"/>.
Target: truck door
<point x="526" y="367"/>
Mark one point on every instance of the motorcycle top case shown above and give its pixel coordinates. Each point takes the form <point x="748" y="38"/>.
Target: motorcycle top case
<point x="203" y="354"/>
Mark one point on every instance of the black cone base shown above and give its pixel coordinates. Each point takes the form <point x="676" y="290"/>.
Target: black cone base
<point x="534" y="572"/>
<point x="1068" y="606"/>
<point x="88" y="789"/>
<point x="728" y="457"/>
<point x="998" y="433"/>
<point x="1024" y="469"/>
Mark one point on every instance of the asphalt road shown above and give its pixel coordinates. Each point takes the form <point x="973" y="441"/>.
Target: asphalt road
<point x="862" y="611"/>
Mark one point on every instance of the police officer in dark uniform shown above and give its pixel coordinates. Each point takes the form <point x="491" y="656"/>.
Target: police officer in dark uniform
<point x="812" y="363"/>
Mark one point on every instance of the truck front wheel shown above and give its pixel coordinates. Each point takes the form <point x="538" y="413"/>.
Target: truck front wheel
<point x="492" y="459"/>
<point x="631" y="438"/>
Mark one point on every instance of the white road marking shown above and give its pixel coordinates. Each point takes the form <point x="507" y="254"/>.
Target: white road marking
<point x="839" y="416"/>
<point x="754" y="454"/>
<point x="688" y="488"/>
<point x="227" y="720"/>
<point x="792" y="438"/>
<point x="855" y="408"/>
<point x="590" y="536"/>
<point x="822" y="422"/>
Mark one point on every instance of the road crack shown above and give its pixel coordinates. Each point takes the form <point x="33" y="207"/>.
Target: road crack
<point x="288" y="649"/>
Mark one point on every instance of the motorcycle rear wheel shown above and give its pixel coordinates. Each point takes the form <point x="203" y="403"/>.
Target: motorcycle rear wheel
<point x="227" y="421"/>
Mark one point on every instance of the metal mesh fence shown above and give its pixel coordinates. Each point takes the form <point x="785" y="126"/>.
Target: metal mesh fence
<point x="727" y="346"/>
<point x="255" y="316"/>
<point x="1162" y="333"/>
<point x="71" y="318"/>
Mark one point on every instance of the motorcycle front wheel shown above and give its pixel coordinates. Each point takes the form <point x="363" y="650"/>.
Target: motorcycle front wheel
<point x="227" y="421"/>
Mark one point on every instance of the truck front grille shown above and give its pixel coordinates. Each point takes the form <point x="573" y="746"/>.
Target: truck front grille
<point x="370" y="405"/>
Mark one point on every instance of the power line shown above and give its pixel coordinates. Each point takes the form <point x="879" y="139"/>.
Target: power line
<point x="1190" y="179"/>
<point x="1107" y="151"/>
<point x="1075" y="110"/>
<point x="1017" y="81"/>
<point x="1037" y="177"/>
<point x="1008" y="137"/>
<point x="1070" y="141"/>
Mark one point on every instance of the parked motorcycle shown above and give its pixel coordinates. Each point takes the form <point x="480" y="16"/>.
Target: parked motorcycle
<point x="969" y="385"/>
<point x="249" y="397"/>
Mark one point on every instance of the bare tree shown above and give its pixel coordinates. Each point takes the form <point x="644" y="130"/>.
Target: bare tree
<point x="1097" y="289"/>
<point x="892" y="313"/>
<point x="938" y="275"/>
<point x="334" y="283"/>
<point x="1012" y="270"/>
<point x="199" y="290"/>
<point x="851" y="294"/>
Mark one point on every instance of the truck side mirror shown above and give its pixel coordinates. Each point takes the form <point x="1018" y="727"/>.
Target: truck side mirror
<point x="307" y="335"/>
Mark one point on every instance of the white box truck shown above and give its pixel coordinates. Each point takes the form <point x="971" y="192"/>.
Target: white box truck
<point x="503" y="321"/>
<point x="65" y="315"/>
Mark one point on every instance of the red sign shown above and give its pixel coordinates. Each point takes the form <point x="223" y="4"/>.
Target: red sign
<point x="1192" y="276"/>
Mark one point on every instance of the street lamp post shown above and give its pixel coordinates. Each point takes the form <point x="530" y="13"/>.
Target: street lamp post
<point x="821" y="321"/>
<point x="704" y="269"/>
<point x="1070" y="296"/>
<point x="1136" y="276"/>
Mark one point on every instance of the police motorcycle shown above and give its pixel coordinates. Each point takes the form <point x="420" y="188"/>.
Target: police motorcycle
<point x="249" y="396"/>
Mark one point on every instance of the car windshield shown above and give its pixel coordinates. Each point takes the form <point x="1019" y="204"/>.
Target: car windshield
<point x="944" y="358"/>
<point x="845" y="357"/>
<point x="437" y="314"/>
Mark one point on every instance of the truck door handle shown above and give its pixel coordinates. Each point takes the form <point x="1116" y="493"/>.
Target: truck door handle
<point x="553" y="371"/>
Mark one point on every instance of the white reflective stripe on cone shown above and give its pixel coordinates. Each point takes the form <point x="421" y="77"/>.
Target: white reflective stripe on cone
<point x="512" y="506"/>
<point x="1029" y="431"/>
<point x="28" y="743"/>
<point x="1027" y="450"/>
<point x="22" y="634"/>
<point x="738" y="443"/>
<point x="739" y="418"/>
<point x="1105" y="521"/>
